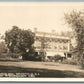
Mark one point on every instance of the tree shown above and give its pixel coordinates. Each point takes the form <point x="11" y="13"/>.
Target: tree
<point x="3" y="48"/>
<point x="19" y="40"/>
<point x="44" y="45"/>
<point x="76" y="20"/>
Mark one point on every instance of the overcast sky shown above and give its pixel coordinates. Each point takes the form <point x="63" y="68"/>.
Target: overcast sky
<point x="42" y="15"/>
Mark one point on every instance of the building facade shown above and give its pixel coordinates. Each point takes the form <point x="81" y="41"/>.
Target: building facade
<point x="51" y="44"/>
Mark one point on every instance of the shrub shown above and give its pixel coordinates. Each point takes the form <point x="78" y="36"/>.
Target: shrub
<point x="70" y="61"/>
<point x="31" y="56"/>
<point x="14" y="55"/>
<point x="4" y="55"/>
<point x="55" y="58"/>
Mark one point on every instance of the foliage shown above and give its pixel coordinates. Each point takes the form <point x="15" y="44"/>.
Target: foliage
<point x="55" y="58"/>
<point x="31" y="56"/>
<point x="18" y="40"/>
<point x="3" y="48"/>
<point x="70" y="61"/>
<point x="76" y="20"/>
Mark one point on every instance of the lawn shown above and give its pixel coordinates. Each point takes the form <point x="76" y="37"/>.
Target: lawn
<point x="41" y="69"/>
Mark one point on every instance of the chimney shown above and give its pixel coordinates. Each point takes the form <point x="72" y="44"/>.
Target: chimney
<point x="53" y="31"/>
<point x="35" y="29"/>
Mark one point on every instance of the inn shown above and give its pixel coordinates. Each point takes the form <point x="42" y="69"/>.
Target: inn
<point x="51" y="44"/>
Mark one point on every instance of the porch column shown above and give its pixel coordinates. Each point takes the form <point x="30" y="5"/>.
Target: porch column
<point x="66" y="55"/>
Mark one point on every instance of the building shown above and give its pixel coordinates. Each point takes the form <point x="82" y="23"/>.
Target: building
<point x="51" y="44"/>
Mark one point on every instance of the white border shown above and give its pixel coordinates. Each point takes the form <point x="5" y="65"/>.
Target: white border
<point x="41" y="3"/>
<point x="40" y="79"/>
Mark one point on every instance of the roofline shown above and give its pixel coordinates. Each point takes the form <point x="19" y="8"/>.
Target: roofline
<point x="58" y="37"/>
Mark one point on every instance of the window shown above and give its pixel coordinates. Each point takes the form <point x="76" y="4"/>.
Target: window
<point x="69" y="55"/>
<point x="65" y="48"/>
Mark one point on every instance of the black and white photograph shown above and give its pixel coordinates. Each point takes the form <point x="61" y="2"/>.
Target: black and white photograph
<point x="41" y="40"/>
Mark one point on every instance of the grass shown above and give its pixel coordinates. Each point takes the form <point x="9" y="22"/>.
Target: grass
<point x="46" y="73"/>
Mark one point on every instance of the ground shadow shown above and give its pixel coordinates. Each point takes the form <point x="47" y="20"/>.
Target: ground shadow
<point x="51" y="65"/>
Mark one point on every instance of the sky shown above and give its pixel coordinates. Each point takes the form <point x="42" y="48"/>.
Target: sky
<point x="45" y="16"/>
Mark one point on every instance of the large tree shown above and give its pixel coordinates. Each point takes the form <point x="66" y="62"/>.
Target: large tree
<point x="76" y="20"/>
<point x="19" y="40"/>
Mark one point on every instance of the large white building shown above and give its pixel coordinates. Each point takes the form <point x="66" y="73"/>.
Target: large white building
<point x="51" y="44"/>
